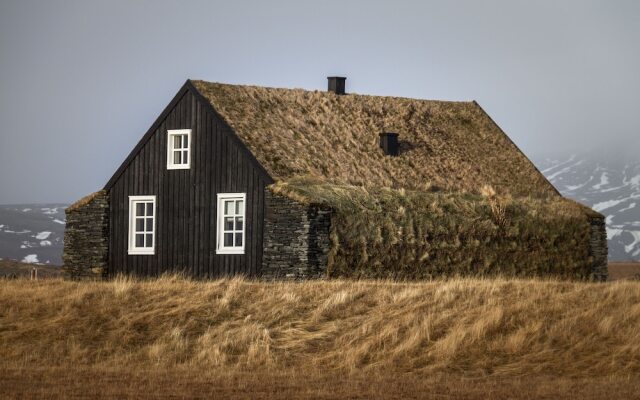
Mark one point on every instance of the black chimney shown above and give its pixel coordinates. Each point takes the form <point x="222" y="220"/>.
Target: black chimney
<point x="336" y="84"/>
<point x="389" y="143"/>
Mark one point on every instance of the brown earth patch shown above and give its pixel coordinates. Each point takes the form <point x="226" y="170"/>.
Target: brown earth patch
<point x="624" y="270"/>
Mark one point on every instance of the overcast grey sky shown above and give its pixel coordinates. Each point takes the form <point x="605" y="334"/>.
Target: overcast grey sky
<point x="81" y="81"/>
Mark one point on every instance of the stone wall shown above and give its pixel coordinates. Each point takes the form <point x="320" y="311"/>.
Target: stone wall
<point x="296" y="239"/>
<point x="86" y="237"/>
<point x="599" y="249"/>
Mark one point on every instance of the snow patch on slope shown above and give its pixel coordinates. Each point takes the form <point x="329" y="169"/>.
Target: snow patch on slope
<point x="43" y="235"/>
<point x="564" y="170"/>
<point x="604" y="180"/>
<point x="30" y="259"/>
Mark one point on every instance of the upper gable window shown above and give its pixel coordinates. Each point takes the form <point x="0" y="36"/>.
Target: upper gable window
<point x="178" y="149"/>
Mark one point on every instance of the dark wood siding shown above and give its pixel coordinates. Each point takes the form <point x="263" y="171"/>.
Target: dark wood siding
<point x="186" y="199"/>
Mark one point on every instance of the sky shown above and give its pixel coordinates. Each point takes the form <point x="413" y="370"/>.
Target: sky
<point x="82" y="81"/>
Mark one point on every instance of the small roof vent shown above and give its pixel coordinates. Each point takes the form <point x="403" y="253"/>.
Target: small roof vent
<point x="336" y="84"/>
<point x="389" y="143"/>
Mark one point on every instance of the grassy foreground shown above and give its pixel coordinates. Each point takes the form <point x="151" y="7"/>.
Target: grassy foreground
<point x="177" y="338"/>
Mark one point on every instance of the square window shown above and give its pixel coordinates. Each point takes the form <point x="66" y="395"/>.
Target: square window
<point x="178" y="150"/>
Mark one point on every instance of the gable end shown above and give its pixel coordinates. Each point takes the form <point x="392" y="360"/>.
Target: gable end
<point x="186" y="88"/>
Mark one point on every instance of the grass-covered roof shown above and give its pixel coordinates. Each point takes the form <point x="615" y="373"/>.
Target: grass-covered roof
<point x="451" y="145"/>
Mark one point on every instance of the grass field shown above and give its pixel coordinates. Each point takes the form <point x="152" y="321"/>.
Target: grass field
<point x="10" y="269"/>
<point x="175" y="338"/>
<point x="624" y="270"/>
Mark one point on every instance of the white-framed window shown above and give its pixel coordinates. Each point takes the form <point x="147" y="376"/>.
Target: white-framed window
<point x="142" y="224"/>
<point x="178" y="149"/>
<point x="231" y="223"/>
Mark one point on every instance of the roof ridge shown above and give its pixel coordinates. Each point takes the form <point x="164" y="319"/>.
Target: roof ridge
<point x="254" y="86"/>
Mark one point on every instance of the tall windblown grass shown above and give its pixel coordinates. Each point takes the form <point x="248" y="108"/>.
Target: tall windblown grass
<point x="473" y="327"/>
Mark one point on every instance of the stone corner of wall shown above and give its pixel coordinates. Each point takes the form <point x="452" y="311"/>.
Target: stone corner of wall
<point x="296" y="239"/>
<point x="598" y="249"/>
<point x="86" y="237"/>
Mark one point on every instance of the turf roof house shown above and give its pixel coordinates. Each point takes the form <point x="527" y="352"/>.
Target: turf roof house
<point x="289" y="183"/>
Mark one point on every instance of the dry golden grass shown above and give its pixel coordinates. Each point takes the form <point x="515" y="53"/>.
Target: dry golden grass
<point x="84" y="201"/>
<point x="453" y="145"/>
<point x="460" y="338"/>
<point x="473" y="327"/>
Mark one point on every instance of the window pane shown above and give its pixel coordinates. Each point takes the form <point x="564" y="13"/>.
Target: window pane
<point x="176" y="141"/>
<point x="177" y="157"/>
<point x="239" y="207"/>
<point x="149" y="242"/>
<point x="238" y="239"/>
<point x="238" y="223"/>
<point x="185" y="156"/>
<point x="139" y="240"/>
<point x="228" y="223"/>
<point x="149" y="225"/>
<point x="185" y="141"/>
<point x="149" y="209"/>
<point x="139" y="209"/>
<point x="228" y="207"/>
<point x="139" y="224"/>
<point x="228" y="239"/>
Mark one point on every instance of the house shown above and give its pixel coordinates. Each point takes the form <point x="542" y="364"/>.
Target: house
<point x="290" y="183"/>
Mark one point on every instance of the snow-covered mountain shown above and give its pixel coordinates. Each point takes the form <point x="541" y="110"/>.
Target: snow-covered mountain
<point x="609" y="185"/>
<point x="32" y="233"/>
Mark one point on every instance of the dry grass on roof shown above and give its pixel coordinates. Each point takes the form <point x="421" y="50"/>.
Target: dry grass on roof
<point x="84" y="201"/>
<point x="452" y="145"/>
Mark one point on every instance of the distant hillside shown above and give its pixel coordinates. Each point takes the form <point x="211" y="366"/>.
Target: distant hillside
<point x="611" y="186"/>
<point x="32" y="233"/>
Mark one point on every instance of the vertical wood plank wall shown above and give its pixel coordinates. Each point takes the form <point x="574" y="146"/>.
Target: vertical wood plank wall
<point x="186" y="200"/>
